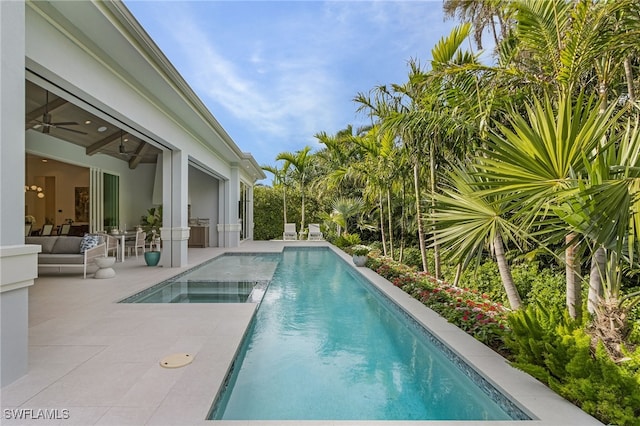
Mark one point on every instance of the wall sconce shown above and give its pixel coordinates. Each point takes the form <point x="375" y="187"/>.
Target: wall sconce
<point x="35" y="188"/>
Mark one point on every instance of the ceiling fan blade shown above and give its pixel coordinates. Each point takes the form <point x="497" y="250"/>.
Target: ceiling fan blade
<point x="70" y="130"/>
<point x="65" y="123"/>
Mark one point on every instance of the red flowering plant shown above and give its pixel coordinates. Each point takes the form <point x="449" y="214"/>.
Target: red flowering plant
<point x="470" y="310"/>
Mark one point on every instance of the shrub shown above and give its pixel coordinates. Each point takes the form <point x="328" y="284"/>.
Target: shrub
<point x="347" y="240"/>
<point x="557" y="351"/>
<point x="470" y="310"/>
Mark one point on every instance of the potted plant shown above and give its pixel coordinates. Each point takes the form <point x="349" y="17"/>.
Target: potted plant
<point x="151" y="223"/>
<point x="360" y="254"/>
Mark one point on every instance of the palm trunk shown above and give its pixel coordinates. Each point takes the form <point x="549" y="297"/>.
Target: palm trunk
<point x="574" y="295"/>
<point x="403" y="224"/>
<point x="595" y="279"/>
<point x="628" y="72"/>
<point x="598" y="257"/>
<point x="384" y="241"/>
<point x="302" y="212"/>
<point x="505" y="273"/>
<point x="390" y="222"/>
<point x="436" y="247"/>
<point x="416" y="185"/>
<point x="456" y="280"/>
<point x="284" y="203"/>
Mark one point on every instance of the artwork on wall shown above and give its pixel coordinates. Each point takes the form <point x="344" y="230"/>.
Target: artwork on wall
<point x="82" y="204"/>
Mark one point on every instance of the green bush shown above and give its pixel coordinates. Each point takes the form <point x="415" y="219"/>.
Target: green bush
<point x="541" y="286"/>
<point x="557" y="351"/>
<point x="347" y="240"/>
<point x="411" y="257"/>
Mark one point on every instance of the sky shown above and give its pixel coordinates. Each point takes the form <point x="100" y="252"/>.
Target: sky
<point x="275" y="73"/>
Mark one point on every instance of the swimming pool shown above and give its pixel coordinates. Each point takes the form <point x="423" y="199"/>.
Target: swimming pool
<point x="326" y="345"/>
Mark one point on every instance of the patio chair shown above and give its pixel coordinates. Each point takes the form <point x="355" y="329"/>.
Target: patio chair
<point x="138" y="243"/>
<point x="314" y="232"/>
<point x="112" y="244"/>
<point x="64" y="229"/>
<point x="46" y="230"/>
<point x="290" y="232"/>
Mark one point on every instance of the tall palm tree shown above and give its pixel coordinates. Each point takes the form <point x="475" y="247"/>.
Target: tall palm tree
<point x="280" y="179"/>
<point x="378" y="168"/>
<point x="481" y="14"/>
<point x="301" y="161"/>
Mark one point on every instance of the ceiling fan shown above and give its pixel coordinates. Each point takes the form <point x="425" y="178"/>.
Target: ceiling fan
<point x="122" y="150"/>
<point x="47" y="124"/>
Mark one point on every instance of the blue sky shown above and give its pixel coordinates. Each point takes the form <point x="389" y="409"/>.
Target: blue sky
<point x="274" y="73"/>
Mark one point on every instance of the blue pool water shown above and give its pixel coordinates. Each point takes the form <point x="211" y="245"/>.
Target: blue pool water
<point x="325" y="345"/>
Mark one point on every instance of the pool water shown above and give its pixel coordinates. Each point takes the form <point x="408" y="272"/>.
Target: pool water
<point x="202" y="292"/>
<point x="325" y="345"/>
<point x="229" y="278"/>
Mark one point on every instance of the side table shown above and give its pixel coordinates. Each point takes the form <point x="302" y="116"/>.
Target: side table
<point x="105" y="264"/>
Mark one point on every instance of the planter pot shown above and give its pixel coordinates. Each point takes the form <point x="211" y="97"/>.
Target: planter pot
<point x="360" y="260"/>
<point x="152" y="257"/>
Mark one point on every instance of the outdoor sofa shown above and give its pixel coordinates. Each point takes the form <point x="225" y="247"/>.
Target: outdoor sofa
<point x="69" y="251"/>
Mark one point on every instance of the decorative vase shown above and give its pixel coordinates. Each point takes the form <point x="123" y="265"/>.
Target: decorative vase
<point x="152" y="257"/>
<point x="360" y="259"/>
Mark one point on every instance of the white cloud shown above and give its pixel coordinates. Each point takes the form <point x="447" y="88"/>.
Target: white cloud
<point x="285" y="93"/>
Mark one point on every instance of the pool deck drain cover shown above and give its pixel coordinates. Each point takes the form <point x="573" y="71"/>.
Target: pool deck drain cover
<point x="176" y="360"/>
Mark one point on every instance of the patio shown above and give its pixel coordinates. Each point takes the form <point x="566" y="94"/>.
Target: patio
<point x="97" y="362"/>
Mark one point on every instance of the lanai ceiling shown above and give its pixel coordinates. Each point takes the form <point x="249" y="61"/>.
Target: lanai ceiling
<point x="48" y="113"/>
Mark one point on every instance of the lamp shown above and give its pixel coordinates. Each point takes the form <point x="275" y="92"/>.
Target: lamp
<point x="35" y="188"/>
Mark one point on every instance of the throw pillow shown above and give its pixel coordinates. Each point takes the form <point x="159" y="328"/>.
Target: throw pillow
<point x="88" y="242"/>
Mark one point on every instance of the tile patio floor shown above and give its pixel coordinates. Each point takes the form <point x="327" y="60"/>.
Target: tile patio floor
<point x="100" y="360"/>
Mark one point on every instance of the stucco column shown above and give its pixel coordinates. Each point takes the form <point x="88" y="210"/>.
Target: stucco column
<point x="249" y="230"/>
<point x="175" y="195"/>
<point x="18" y="262"/>
<point x="228" y="226"/>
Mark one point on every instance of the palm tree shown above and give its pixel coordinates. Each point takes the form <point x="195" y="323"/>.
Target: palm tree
<point x="343" y="210"/>
<point x="378" y="169"/>
<point x="468" y="217"/>
<point x="535" y="160"/>
<point x="280" y="179"/>
<point x="301" y="163"/>
<point x="481" y="14"/>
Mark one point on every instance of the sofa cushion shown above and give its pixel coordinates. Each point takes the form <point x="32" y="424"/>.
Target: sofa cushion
<point x="67" y="245"/>
<point x="60" y="259"/>
<point x="47" y="243"/>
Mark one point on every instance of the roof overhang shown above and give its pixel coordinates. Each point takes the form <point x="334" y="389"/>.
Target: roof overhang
<point x="110" y="33"/>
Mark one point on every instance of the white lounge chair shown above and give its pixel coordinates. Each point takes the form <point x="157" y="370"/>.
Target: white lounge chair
<point x="314" y="232"/>
<point x="290" y="232"/>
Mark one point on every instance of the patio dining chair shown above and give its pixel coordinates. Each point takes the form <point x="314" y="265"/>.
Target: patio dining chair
<point x="46" y="230"/>
<point x="137" y="244"/>
<point x="290" y="232"/>
<point x="112" y="244"/>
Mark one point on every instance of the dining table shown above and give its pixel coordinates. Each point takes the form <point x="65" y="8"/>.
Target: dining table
<point x="122" y="239"/>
